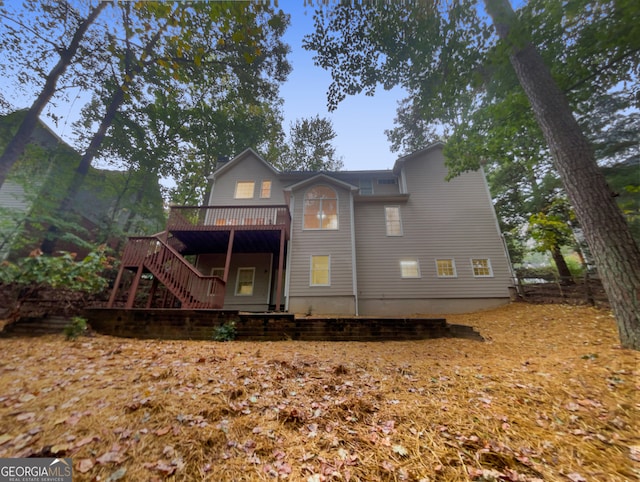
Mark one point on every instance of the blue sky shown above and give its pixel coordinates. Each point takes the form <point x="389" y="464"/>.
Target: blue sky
<point x="359" y="121"/>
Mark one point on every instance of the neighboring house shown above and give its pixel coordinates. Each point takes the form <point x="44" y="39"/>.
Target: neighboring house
<point x="380" y="242"/>
<point x="36" y="184"/>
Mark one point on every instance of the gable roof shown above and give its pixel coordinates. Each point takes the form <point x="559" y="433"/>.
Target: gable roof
<point x="249" y="152"/>
<point x="400" y="161"/>
<point x="320" y="177"/>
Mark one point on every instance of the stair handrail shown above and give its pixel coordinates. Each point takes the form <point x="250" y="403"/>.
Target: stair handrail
<point x="195" y="289"/>
<point x="207" y="290"/>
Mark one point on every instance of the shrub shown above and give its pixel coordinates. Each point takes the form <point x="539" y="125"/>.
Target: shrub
<point x="226" y="332"/>
<point x="77" y="327"/>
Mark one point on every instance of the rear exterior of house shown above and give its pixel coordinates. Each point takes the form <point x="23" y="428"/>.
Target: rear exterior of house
<point x="387" y="242"/>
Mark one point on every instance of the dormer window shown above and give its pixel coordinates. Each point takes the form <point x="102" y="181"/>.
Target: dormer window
<point x="320" y="208"/>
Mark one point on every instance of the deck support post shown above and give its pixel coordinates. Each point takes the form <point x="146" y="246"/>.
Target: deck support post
<point x="134" y="288"/>
<point x="280" y="267"/>
<point x="116" y="285"/>
<point x="152" y="293"/>
<point x="227" y="261"/>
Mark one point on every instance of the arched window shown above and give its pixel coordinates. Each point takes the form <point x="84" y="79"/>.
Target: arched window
<point x="321" y="208"/>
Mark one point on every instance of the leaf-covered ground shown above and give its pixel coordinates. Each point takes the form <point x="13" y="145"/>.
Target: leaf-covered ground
<point x="549" y="396"/>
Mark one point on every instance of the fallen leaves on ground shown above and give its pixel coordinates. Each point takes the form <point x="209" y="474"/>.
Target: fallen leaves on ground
<point x="549" y="396"/>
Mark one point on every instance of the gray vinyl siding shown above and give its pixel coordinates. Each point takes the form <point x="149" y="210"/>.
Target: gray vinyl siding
<point x="262" y="281"/>
<point x="334" y="243"/>
<point x="246" y="169"/>
<point x="440" y="220"/>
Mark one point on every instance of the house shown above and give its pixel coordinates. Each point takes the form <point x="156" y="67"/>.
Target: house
<point x="108" y="203"/>
<point x="379" y="242"/>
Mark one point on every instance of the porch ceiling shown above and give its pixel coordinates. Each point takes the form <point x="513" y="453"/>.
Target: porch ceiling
<point x="245" y="241"/>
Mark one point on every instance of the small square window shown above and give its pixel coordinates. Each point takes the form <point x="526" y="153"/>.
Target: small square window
<point x="244" y="283"/>
<point x="265" y="190"/>
<point x="481" y="267"/>
<point x="320" y="271"/>
<point x="244" y="189"/>
<point x="392" y="218"/>
<point x="446" y="268"/>
<point x="409" y="268"/>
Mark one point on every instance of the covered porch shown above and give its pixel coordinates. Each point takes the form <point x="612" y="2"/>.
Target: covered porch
<point x="170" y="258"/>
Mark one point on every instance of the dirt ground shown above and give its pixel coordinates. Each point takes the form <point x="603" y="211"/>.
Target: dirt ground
<point x="549" y="396"/>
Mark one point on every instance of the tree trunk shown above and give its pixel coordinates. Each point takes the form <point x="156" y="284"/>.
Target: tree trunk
<point x="17" y="144"/>
<point x="118" y="97"/>
<point x="566" y="278"/>
<point x="615" y="252"/>
<point x="80" y="174"/>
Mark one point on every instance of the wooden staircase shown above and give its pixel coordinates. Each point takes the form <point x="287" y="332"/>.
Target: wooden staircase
<point x="155" y="255"/>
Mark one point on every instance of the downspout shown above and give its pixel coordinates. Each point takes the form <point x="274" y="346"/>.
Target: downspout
<point x="354" y="273"/>
<point x="287" y="270"/>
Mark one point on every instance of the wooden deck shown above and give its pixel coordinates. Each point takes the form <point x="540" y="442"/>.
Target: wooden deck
<point x="200" y="325"/>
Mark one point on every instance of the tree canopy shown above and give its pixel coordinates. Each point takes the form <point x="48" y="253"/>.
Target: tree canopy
<point x="309" y="147"/>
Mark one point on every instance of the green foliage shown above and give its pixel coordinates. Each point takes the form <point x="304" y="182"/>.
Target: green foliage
<point x="62" y="271"/>
<point x="549" y="231"/>
<point x="309" y="147"/>
<point x="225" y="332"/>
<point x="77" y="327"/>
<point x="575" y="266"/>
<point x="206" y="87"/>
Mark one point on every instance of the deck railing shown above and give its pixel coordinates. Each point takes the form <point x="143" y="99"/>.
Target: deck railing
<point x="191" y="287"/>
<point x="203" y="217"/>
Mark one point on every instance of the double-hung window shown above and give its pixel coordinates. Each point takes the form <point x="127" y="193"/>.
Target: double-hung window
<point x="244" y="282"/>
<point x="320" y="208"/>
<point x="446" y="268"/>
<point x="265" y="189"/>
<point x="393" y="221"/>
<point x="366" y="187"/>
<point x="481" y="267"/>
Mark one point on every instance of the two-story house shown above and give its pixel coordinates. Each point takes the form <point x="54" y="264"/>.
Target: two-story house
<point x="380" y="242"/>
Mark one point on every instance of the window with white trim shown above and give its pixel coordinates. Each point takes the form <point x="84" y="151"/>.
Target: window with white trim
<point x="244" y="189"/>
<point x="388" y="181"/>
<point x="366" y="187"/>
<point x="409" y="268"/>
<point x="219" y="272"/>
<point x="244" y="281"/>
<point x="481" y="267"/>
<point x="320" y="270"/>
<point x="320" y="208"/>
<point x="446" y="268"/>
<point x="393" y="221"/>
<point x="265" y="189"/>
